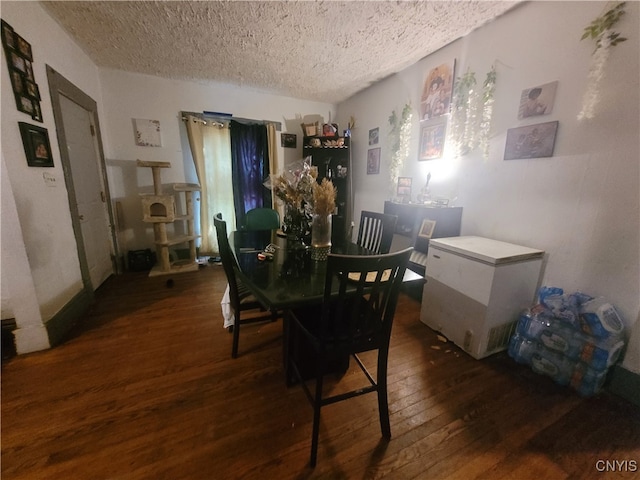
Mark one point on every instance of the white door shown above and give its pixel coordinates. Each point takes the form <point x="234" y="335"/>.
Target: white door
<point x="89" y="190"/>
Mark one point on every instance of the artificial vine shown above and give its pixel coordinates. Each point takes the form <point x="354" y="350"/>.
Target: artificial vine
<point x="488" y="92"/>
<point x="601" y="31"/>
<point x="399" y="143"/>
<point x="471" y="113"/>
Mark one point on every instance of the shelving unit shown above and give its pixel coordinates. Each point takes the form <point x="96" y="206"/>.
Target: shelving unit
<point x="160" y="210"/>
<point x="334" y="163"/>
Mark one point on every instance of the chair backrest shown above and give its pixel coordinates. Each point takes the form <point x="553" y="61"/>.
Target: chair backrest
<point x="361" y="320"/>
<point x="229" y="262"/>
<point x="376" y="231"/>
<point x="262" y="219"/>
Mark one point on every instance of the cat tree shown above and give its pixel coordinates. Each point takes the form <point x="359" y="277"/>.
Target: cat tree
<point x="160" y="210"/>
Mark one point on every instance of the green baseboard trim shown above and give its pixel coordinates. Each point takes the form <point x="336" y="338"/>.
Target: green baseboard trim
<point x="625" y="384"/>
<point x="61" y="323"/>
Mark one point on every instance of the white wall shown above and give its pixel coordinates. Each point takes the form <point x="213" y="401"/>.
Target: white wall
<point x="43" y="211"/>
<point x="582" y="205"/>
<point x="128" y="96"/>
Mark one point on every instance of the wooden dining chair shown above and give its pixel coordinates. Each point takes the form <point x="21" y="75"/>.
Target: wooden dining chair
<point x="262" y="219"/>
<point x="358" y="320"/>
<point x="376" y="231"/>
<point x="240" y="297"/>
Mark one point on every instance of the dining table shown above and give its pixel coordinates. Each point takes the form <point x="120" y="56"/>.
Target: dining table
<point x="281" y="277"/>
<point x="284" y="277"/>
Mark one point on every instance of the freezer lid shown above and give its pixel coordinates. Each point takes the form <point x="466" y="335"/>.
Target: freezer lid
<point x="486" y="250"/>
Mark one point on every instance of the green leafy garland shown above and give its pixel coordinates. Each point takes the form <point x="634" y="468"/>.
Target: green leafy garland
<point x="471" y="113"/>
<point x="601" y="31"/>
<point x="399" y="144"/>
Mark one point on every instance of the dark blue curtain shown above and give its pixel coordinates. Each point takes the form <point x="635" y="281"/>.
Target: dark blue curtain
<point x="249" y="168"/>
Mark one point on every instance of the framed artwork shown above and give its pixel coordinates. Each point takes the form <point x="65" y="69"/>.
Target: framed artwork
<point x="25" y="104"/>
<point x="373" y="161"/>
<point x="404" y="186"/>
<point x="537" y="100"/>
<point x="288" y="140"/>
<point x="36" y="145"/>
<point x="426" y="229"/>
<point x="432" y="138"/>
<point x="8" y="36"/>
<point x="147" y="132"/>
<point x="437" y="90"/>
<point x="23" y="47"/>
<point x="19" y="60"/>
<point x="373" y="136"/>
<point x="531" y="141"/>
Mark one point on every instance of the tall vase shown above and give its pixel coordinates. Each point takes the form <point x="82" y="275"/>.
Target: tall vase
<point x="320" y="237"/>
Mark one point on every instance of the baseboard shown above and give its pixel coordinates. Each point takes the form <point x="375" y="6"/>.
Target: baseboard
<point x="625" y="384"/>
<point x="61" y="323"/>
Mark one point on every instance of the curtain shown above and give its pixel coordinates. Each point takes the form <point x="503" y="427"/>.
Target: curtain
<point x="210" y="144"/>
<point x="250" y="168"/>
<point x="274" y="162"/>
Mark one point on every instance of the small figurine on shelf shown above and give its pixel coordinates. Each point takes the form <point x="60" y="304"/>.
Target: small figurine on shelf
<point x="425" y="193"/>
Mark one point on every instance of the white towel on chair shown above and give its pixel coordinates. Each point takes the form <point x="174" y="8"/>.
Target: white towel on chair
<point x="227" y="311"/>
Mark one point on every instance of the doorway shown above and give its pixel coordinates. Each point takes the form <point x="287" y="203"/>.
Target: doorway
<point x="82" y="157"/>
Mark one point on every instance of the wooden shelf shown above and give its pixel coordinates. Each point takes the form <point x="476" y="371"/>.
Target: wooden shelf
<point x="176" y="240"/>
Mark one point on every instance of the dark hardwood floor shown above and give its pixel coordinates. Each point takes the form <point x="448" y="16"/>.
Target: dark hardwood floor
<point x="145" y="388"/>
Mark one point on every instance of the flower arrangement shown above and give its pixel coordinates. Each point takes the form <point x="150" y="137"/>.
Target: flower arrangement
<point x="302" y="196"/>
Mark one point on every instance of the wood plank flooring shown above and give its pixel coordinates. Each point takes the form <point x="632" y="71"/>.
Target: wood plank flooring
<point x="145" y="388"/>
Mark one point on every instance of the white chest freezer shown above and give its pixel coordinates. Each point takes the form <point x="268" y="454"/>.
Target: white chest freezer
<point x="476" y="288"/>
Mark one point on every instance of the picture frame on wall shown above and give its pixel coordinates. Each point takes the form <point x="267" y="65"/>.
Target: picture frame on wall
<point x="19" y="57"/>
<point x="432" y="140"/>
<point x="404" y="186"/>
<point x="373" y="161"/>
<point x="374" y="136"/>
<point x="288" y="140"/>
<point x="537" y="100"/>
<point x="8" y="36"/>
<point x="437" y="91"/>
<point x="36" y="145"/>
<point x="427" y="228"/>
<point x="531" y="141"/>
<point x="23" y="47"/>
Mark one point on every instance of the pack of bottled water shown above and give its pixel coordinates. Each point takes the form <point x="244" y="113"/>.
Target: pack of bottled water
<point x="574" y="339"/>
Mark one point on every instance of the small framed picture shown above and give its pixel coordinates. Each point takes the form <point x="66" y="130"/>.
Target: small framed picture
<point x="432" y="138"/>
<point x="17" y="62"/>
<point x="288" y="140"/>
<point x="17" y="82"/>
<point x="531" y="141"/>
<point x="23" y="47"/>
<point x="426" y="229"/>
<point x="36" y="145"/>
<point x="37" y="111"/>
<point x="32" y="90"/>
<point x="404" y="186"/>
<point x="24" y="104"/>
<point x="8" y="36"/>
<point x="373" y="136"/>
<point x="537" y="100"/>
<point x="373" y="161"/>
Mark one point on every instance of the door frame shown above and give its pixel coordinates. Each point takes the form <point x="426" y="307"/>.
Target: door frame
<point x="58" y="85"/>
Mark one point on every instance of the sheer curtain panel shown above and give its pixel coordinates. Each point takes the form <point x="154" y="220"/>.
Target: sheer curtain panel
<point x="210" y="144"/>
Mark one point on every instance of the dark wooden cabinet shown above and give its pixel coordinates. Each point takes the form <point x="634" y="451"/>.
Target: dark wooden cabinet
<point x="334" y="163"/>
<point x="410" y="217"/>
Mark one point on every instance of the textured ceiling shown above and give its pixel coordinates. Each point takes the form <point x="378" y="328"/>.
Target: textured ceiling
<point x="315" y="50"/>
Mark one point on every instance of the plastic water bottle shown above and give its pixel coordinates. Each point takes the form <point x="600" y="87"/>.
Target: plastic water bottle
<point x="541" y="359"/>
<point x="564" y="371"/>
<point x="556" y="335"/>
